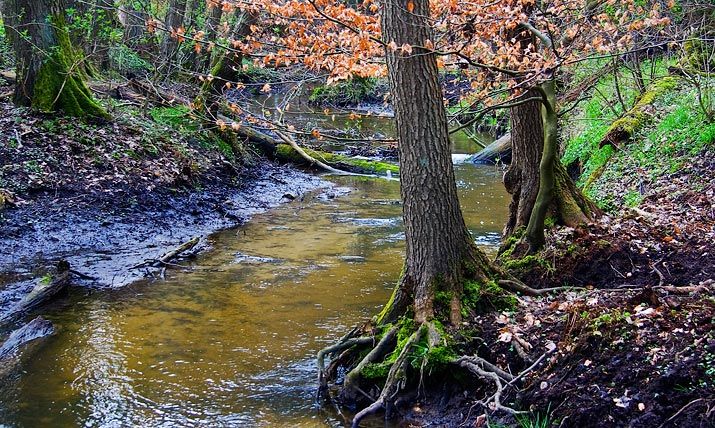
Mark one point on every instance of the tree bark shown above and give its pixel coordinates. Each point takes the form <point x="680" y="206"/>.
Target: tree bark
<point x="522" y="178"/>
<point x="49" y="72"/>
<point x="557" y="192"/>
<point x="173" y="22"/>
<point x="440" y="252"/>
<point x="214" y="12"/>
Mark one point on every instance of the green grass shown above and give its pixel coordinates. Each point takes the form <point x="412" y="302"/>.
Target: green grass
<point x="675" y="130"/>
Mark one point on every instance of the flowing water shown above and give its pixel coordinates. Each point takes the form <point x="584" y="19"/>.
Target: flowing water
<point x="232" y="341"/>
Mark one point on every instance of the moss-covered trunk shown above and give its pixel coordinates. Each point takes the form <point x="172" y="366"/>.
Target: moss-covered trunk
<point x="538" y="182"/>
<point x="50" y="71"/>
<point x="557" y="194"/>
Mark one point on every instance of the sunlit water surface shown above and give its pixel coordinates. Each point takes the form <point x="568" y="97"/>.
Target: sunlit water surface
<point x="232" y="342"/>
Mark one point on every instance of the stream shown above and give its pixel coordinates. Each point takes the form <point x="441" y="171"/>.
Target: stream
<point x="232" y="340"/>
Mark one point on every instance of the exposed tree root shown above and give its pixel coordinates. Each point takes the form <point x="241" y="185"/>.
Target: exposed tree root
<point x="500" y="378"/>
<point x="380" y="350"/>
<point x="395" y="380"/>
<point x="477" y="366"/>
<point x="346" y="342"/>
<point x="348" y="353"/>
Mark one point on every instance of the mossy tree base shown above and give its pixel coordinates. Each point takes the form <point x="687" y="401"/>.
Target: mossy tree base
<point x="395" y="353"/>
<point x="60" y="89"/>
<point x="51" y="72"/>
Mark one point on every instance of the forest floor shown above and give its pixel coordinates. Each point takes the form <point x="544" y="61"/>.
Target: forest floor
<point x="635" y="347"/>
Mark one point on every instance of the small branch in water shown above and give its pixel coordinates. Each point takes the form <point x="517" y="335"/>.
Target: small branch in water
<point x="166" y="258"/>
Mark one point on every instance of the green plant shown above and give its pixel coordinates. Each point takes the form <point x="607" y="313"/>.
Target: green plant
<point x="632" y="198"/>
<point x="347" y="92"/>
<point x="125" y="60"/>
<point x="7" y="56"/>
<point x="535" y="420"/>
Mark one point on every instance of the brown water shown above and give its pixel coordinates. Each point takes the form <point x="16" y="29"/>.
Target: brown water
<point x="232" y="342"/>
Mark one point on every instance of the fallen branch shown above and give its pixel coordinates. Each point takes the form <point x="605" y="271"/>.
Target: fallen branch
<point x="520" y="287"/>
<point x="311" y="160"/>
<point x="166" y="258"/>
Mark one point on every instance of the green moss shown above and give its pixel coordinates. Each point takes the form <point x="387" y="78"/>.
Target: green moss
<point x="443" y="298"/>
<point x="698" y="55"/>
<point x="286" y="153"/>
<point x="406" y="328"/>
<point x="59" y="84"/>
<point x="376" y="371"/>
<point x="478" y="297"/>
<point x="521" y="264"/>
<point x="388" y="306"/>
<point x="353" y="91"/>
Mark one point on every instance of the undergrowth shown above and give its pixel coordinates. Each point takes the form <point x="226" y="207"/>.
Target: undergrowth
<point x="675" y="132"/>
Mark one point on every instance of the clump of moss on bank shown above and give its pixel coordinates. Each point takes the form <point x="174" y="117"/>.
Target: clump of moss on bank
<point x="349" y="92"/>
<point x="286" y="153"/>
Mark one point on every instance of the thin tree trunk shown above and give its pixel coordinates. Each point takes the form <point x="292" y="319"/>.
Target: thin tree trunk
<point x="224" y="68"/>
<point x="438" y="244"/>
<point x="535" y="229"/>
<point x="214" y="12"/>
<point x="173" y="22"/>
<point x="557" y="192"/>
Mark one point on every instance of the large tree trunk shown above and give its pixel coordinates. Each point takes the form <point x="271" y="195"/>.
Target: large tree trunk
<point x="439" y="249"/>
<point x="49" y="69"/>
<point x="522" y="178"/>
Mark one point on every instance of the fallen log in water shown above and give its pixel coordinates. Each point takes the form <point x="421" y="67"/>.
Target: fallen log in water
<point x="35" y="329"/>
<point x="500" y="149"/>
<point x="41" y="294"/>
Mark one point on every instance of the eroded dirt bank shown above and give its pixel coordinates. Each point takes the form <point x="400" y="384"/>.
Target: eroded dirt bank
<point x="105" y="236"/>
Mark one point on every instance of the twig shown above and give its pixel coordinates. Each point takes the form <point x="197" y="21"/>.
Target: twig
<point x="682" y="409"/>
<point x="164" y="260"/>
<point x="518" y="286"/>
<point x="82" y="275"/>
